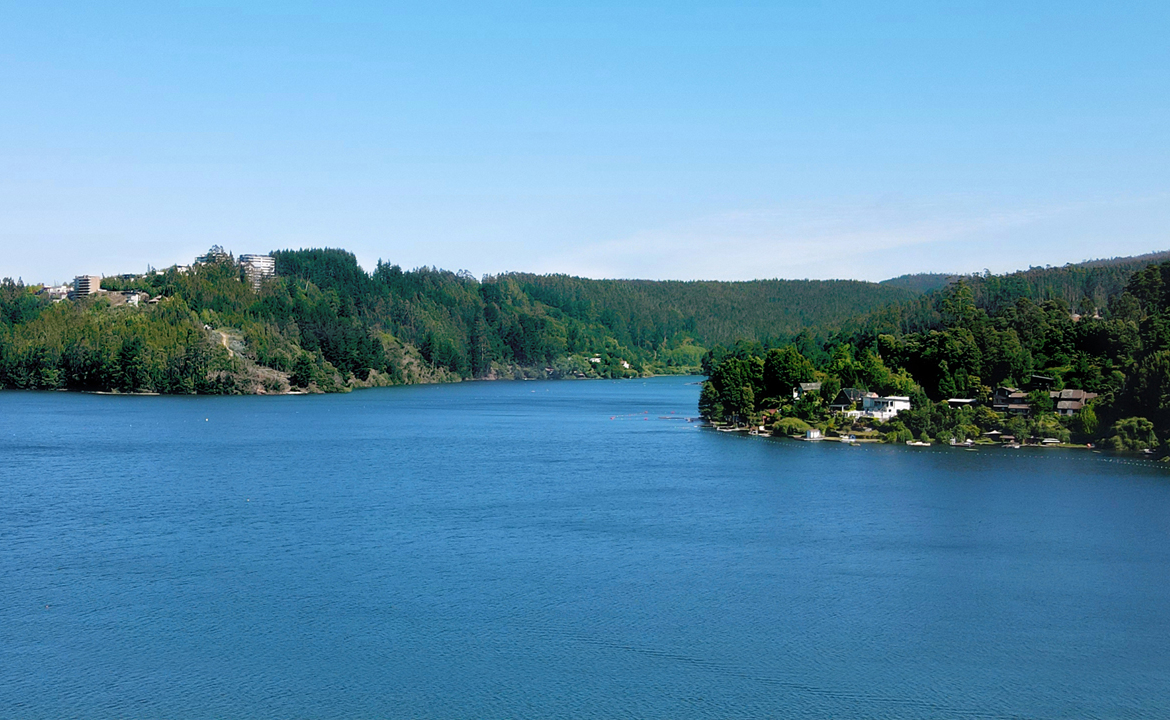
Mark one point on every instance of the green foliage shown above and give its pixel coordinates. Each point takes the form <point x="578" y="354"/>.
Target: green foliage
<point x="789" y="426"/>
<point x="1133" y="433"/>
<point x="1087" y="422"/>
<point x="784" y="369"/>
<point x="898" y="436"/>
<point x="1040" y="401"/>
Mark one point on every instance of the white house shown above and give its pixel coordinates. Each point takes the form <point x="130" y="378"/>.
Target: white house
<point x="883" y="408"/>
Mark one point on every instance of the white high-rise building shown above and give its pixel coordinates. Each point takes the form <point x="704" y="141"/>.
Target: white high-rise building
<point x="258" y="268"/>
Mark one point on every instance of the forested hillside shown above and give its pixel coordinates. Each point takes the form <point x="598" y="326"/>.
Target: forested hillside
<point x="643" y="312"/>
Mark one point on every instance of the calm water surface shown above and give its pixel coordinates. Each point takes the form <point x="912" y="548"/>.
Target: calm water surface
<point x="541" y="550"/>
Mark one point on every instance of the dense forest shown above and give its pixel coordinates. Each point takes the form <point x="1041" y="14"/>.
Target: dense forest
<point x="966" y="340"/>
<point x="642" y="312"/>
<point x="326" y="324"/>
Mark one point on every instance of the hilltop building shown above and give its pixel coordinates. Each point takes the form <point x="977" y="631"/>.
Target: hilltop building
<point x="85" y="285"/>
<point x="258" y="268"/>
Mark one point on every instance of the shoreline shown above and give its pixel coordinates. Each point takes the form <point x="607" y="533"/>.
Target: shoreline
<point x="974" y="447"/>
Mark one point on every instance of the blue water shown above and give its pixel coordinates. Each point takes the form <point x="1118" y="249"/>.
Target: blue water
<point x="541" y="550"/>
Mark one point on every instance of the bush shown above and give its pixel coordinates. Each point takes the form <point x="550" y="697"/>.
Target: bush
<point x="790" y="426"/>
<point x="1134" y="433"/>
<point x="899" y="436"/>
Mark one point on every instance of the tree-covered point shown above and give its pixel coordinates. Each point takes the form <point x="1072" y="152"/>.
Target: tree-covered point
<point x="1121" y="352"/>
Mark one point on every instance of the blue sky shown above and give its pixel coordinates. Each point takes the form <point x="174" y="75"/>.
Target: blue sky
<point x="655" y="139"/>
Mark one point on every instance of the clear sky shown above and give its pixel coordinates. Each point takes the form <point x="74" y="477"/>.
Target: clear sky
<point x="655" y="139"/>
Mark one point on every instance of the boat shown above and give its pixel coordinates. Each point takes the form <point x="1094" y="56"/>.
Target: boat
<point x="917" y="443"/>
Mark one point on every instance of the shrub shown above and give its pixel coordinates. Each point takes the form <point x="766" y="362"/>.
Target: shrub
<point x="1133" y="433"/>
<point x="790" y="426"/>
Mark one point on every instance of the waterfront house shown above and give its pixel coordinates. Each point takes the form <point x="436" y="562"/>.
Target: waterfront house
<point x="883" y="408"/>
<point x="961" y="402"/>
<point x="846" y="399"/>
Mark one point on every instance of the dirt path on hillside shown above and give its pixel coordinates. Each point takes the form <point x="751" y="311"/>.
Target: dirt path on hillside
<point x="223" y="339"/>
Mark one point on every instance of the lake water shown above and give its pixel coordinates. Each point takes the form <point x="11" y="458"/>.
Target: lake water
<point x="558" y="549"/>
